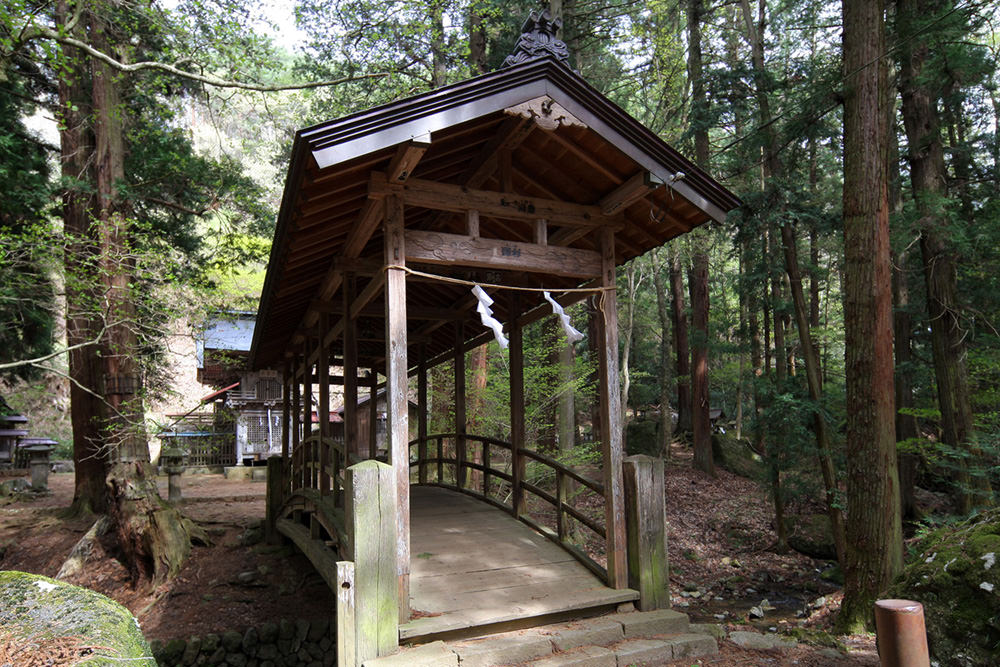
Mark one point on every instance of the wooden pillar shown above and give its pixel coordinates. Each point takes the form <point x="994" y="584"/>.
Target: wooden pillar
<point x="349" y="291"/>
<point x="371" y="526"/>
<point x="372" y="414"/>
<point x="307" y="408"/>
<point x="298" y="477"/>
<point x="645" y="512"/>
<point x="346" y="639"/>
<point x="286" y="410"/>
<point x="323" y="373"/>
<point x="461" y="472"/>
<point x="397" y="416"/>
<point x="274" y="498"/>
<point x="422" y="414"/>
<point x="516" y="406"/>
<point x="611" y="424"/>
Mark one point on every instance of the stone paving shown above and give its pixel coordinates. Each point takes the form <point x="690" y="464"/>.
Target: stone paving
<point x="639" y="639"/>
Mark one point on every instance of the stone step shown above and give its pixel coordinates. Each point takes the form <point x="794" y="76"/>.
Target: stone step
<point x="616" y="640"/>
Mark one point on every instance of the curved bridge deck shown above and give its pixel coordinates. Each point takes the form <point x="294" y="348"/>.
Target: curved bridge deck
<point x="475" y="568"/>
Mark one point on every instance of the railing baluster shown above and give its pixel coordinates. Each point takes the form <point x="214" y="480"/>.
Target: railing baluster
<point x="440" y="460"/>
<point x="486" y="468"/>
<point x="561" y="517"/>
<point x="422" y="460"/>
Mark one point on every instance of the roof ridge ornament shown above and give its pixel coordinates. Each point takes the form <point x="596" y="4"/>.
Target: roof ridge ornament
<point x="538" y="39"/>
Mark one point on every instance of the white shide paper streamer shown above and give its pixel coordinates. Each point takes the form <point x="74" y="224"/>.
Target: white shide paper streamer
<point x="572" y="335"/>
<point x="486" y="315"/>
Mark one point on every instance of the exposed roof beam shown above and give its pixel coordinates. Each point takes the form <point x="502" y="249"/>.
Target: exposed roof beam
<point x="629" y="192"/>
<point x="406" y="158"/>
<point x="446" y="197"/>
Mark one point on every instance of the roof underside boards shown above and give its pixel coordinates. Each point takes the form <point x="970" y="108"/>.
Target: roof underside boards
<point x="478" y="135"/>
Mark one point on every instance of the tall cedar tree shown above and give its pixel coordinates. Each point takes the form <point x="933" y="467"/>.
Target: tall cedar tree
<point x="921" y="91"/>
<point x="701" y="426"/>
<point x="874" y="532"/>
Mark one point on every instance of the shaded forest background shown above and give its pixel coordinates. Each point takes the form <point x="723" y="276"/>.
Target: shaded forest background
<point x="196" y="103"/>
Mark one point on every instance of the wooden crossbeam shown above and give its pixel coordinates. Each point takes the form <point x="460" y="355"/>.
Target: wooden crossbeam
<point x="406" y="158"/>
<point x="447" y="197"/>
<point x="369" y="310"/>
<point x="442" y="248"/>
<point x="629" y="192"/>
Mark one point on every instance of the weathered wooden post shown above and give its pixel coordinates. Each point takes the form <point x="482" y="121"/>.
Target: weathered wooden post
<point x="346" y="656"/>
<point x="645" y="525"/>
<point x="370" y="504"/>
<point x="611" y="422"/>
<point x="275" y="498"/>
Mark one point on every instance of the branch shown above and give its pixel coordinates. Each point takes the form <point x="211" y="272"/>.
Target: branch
<point x="208" y="79"/>
<point x="38" y="360"/>
<point x="181" y="208"/>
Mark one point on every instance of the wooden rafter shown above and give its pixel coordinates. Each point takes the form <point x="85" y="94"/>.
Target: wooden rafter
<point x="446" y="197"/>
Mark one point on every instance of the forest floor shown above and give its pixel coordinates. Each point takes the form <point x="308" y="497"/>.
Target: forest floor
<point x="720" y="540"/>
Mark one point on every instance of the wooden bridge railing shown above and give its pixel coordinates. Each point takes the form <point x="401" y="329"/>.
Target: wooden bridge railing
<point x="504" y="485"/>
<point x="318" y="463"/>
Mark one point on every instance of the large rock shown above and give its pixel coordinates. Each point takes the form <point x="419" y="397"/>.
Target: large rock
<point x="736" y="456"/>
<point x="957" y="579"/>
<point x="812" y="535"/>
<point x="43" y="608"/>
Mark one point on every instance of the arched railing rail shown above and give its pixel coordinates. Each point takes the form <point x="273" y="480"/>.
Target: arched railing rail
<point x="318" y="463"/>
<point x="485" y="468"/>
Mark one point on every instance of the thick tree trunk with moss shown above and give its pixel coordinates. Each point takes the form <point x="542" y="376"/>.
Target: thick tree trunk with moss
<point x="874" y="532"/>
<point x="109" y="427"/>
<point x="154" y="537"/>
<point x="83" y="323"/>
<point x="701" y="425"/>
<point x="930" y="190"/>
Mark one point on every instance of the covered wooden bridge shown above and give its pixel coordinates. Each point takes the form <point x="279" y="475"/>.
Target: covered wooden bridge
<point x="522" y="178"/>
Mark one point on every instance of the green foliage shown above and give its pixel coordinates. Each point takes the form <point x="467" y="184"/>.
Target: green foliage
<point x="27" y="290"/>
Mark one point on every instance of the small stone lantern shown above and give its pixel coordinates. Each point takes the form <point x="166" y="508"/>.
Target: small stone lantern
<point x="38" y="462"/>
<point x="172" y="460"/>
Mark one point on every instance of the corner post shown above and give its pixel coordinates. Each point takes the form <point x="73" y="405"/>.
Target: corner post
<point x="611" y="423"/>
<point x="371" y="528"/>
<point x="298" y="475"/>
<point x="323" y="373"/>
<point x="646" y="516"/>
<point x="275" y="498"/>
<point x="372" y="415"/>
<point x="516" y="347"/>
<point x="422" y="414"/>
<point x="397" y="415"/>
<point x="461" y="471"/>
<point x="308" y="462"/>
<point x="349" y="289"/>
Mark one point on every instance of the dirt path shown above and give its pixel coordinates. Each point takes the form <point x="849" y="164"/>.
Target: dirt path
<point x="720" y="541"/>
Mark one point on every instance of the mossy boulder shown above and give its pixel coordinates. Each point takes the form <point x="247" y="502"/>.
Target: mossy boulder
<point x="812" y="535"/>
<point x="42" y="608"/>
<point x="736" y="456"/>
<point x="957" y="579"/>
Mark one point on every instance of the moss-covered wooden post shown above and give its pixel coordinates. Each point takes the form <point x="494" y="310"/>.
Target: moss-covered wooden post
<point x="645" y="525"/>
<point x="370" y="507"/>
<point x="275" y="498"/>
<point x="346" y="640"/>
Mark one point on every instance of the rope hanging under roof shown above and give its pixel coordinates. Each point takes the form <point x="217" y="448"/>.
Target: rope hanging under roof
<point x="485" y="302"/>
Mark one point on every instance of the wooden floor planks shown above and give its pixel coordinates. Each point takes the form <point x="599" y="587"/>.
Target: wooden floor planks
<point x="474" y="565"/>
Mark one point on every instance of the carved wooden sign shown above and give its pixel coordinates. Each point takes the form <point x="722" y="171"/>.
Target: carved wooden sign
<point x="454" y="249"/>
